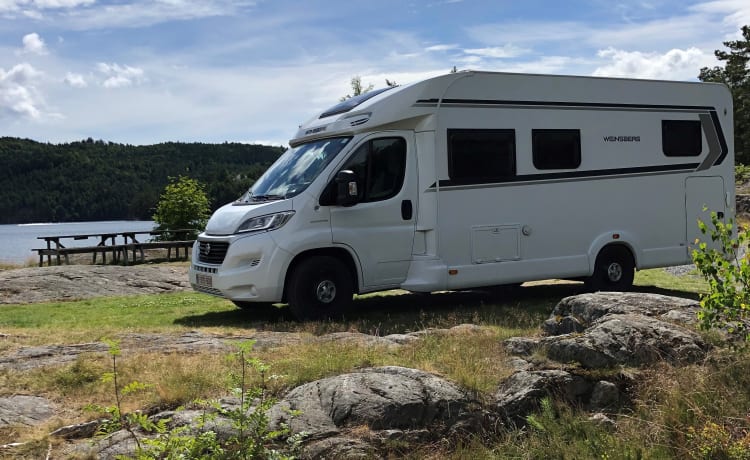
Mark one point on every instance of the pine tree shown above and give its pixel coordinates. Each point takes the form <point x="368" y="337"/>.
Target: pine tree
<point x="736" y="75"/>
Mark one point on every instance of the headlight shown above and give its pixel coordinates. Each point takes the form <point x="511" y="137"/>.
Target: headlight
<point x="265" y="223"/>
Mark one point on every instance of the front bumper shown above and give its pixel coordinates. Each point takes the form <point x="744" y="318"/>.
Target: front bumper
<point x="252" y="270"/>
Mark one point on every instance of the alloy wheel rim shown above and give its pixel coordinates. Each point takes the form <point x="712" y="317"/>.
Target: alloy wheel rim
<point x="614" y="272"/>
<point x="326" y="291"/>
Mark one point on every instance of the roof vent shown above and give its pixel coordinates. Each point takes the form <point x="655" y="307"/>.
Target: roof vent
<point x="360" y="121"/>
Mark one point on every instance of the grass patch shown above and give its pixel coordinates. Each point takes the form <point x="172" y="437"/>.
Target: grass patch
<point x="377" y="314"/>
<point x="294" y="366"/>
<point x="661" y="281"/>
<point x="694" y="412"/>
<point x="677" y="409"/>
<point x="381" y="314"/>
<point x="92" y="319"/>
<point x="474" y="360"/>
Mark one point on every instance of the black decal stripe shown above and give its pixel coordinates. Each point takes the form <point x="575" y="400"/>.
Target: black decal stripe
<point x="722" y="140"/>
<point x="576" y="104"/>
<point x="596" y="173"/>
<point x="712" y="138"/>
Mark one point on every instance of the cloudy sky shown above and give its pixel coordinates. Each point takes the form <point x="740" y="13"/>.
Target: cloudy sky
<point x="149" y="71"/>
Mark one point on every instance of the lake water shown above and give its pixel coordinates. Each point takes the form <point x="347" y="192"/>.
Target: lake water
<point x="17" y="241"/>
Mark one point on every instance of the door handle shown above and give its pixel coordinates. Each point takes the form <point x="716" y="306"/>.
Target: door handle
<point x="406" y="210"/>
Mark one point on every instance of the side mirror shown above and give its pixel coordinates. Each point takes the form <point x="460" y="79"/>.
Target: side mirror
<point x="347" y="188"/>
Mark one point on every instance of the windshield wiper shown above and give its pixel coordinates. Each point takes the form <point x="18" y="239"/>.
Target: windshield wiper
<point x="266" y="197"/>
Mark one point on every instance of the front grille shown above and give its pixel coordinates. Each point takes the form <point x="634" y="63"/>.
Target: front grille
<point x="201" y="268"/>
<point x="212" y="252"/>
<point x="208" y="290"/>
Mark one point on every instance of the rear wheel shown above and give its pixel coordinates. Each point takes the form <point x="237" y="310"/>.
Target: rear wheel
<point x="614" y="270"/>
<point x="320" y="287"/>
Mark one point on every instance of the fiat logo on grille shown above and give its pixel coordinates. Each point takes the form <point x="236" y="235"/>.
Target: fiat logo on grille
<point x="205" y="249"/>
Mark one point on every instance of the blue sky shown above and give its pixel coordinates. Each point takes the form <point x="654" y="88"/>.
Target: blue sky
<point x="149" y="71"/>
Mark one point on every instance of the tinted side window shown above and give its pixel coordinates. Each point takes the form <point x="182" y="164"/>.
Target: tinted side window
<point x="481" y="155"/>
<point x="681" y="138"/>
<point x="387" y="167"/>
<point x="380" y="165"/>
<point x="556" y="148"/>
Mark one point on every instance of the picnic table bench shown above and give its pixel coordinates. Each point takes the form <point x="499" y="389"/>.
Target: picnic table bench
<point x="107" y="244"/>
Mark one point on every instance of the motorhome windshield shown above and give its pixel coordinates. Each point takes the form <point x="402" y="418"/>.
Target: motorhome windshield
<point x="294" y="170"/>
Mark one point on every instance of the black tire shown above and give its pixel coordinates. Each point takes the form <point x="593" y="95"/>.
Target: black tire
<point x="614" y="270"/>
<point x="319" y="287"/>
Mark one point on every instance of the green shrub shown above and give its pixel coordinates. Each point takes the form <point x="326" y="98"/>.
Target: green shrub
<point x="253" y="438"/>
<point x="183" y="206"/>
<point x="78" y="375"/>
<point x="741" y="174"/>
<point x="727" y="303"/>
<point x="713" y="441"/>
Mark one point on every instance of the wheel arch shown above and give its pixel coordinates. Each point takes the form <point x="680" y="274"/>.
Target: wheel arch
<point x="611" y="239"/>
<point x="340" y="253"/>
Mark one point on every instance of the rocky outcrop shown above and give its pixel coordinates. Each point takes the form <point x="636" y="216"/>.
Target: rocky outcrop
<point x="604" y="330"/>
<point x="74" y="282"/>
<point x="381" y="398"/>
<point x="628" y="340"/>
<point x="520" y="393"/>
<point x="577" y="313"/>
<point x="607" y="329"/>
<point x="385" y="403"/>
<point x="593" y="345"/>
<point x="24" y="410"/>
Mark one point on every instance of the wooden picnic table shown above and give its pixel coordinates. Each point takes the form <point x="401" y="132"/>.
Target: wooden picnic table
<point x="182" y="242"/>
<point x="107" y="243"/>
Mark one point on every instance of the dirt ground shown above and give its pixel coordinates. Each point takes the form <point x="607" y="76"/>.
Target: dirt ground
<point x="74" y="282"/>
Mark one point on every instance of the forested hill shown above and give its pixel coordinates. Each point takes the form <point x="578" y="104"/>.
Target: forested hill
<point x="97" y="180"/>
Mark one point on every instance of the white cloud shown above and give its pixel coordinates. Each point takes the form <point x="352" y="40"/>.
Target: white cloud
<point x="439" y="48"/>
<point x="736" y="12"/>
<point x="497" y="52"/>
<point x="116" y="76"/>
<point x="75" y="80"/>
<point x="61" y="3"/>
<point x="213" y="86"/>
<point x="33" y="44"/>
<point x="18" y="96"/>
<point x="697" y="25"/>
<point x="28" y="7"/>
<point x="20" y="73"/>
<point x="561" y="65"/>
<point x="527" y="32"/>
<point x="144" y="14"/>
<point x="88" y="14"/>
<point x="675" y="64"/>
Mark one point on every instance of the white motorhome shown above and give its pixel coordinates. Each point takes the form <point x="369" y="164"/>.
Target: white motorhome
<point x="476" y="179"/>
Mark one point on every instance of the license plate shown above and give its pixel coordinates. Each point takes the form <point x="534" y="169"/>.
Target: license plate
<point x="204" y="280"/>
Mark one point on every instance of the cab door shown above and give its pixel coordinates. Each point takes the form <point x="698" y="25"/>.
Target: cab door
<point x="379" y="227"/>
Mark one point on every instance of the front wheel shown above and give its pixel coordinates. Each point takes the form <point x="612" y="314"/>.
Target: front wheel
<point x="614" y="270"/>
<point x="319" y="287"/>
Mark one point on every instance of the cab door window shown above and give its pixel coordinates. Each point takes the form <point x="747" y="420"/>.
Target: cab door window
<point x="380" y="165"/>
